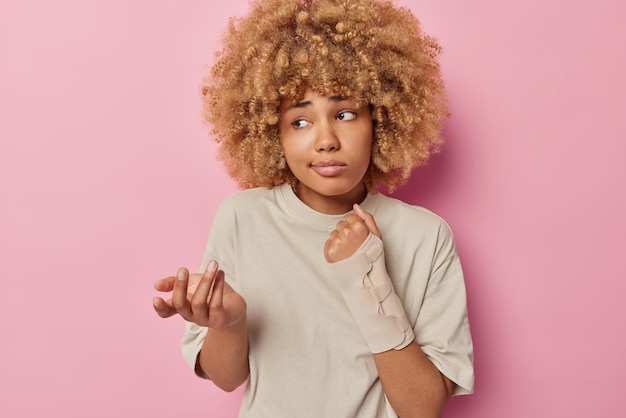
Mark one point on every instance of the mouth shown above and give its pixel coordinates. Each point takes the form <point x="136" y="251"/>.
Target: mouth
<point x="329" y="168"/>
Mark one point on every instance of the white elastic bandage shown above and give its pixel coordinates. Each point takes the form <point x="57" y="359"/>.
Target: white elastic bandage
<point x="367" y="290"/>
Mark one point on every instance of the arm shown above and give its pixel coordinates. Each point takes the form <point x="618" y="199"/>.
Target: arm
<point x="413" y="385"/>
<point x="224" y="356"/>
<point x="209" y="301"/>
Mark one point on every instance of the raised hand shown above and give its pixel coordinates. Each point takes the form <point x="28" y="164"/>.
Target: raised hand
<point x="205" y="299"/>
<point x="349" y="234"/>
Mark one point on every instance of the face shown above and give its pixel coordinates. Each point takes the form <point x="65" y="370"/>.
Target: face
<point x="327" y="142"/>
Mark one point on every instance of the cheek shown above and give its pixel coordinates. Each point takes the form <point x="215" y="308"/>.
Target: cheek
<point x="367" y="143"/>
<point x="367" y="154"/>
<point x="291" y="151"/>
<point x="284" y="143"/>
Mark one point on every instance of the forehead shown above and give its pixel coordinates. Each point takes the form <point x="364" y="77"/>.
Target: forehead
<point x="311" y="98"/>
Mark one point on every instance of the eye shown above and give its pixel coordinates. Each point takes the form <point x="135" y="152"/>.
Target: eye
<point x="346" y="115"/>
<point x="300" y="123"/>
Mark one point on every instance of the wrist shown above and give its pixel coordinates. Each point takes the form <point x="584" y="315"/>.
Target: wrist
<point x="369" y="294"/>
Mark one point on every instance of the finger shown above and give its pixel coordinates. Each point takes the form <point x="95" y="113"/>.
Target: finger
<point x="194" y="281"/>
<point x="351" y="227"/>
<point x="368" y="219"/>
<point x="179" y="295"/>
<point x="162" y="308"/>
<point x="200" y="298"/>
<point x="341" y="225"/>
<point x="352" y="218"/>
<point x="165" y="285"/>
<point x="327" y="251"/>
<point x="217" y="295"/>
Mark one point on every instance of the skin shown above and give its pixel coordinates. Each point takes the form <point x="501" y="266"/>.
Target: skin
<point x="412" y="383"/>
<point x="327" y="144"/>
<point x="207" y="300"/>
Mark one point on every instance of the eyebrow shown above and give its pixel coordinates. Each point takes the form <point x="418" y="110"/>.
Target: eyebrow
<point x="308" y="102"/>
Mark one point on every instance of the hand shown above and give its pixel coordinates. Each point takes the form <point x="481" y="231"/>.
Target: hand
<point x="349" y="234"/>
<point x="205" y="299"/>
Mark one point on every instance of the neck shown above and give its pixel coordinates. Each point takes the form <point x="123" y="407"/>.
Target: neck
<point x="331" y="205"/>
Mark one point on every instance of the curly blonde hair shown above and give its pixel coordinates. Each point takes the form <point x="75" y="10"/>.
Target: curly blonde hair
<point x="366" y="49"/>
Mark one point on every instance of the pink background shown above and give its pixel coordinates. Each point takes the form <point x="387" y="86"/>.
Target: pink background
<point x="109" y="182"/>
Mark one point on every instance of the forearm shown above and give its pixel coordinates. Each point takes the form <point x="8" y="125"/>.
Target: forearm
<point x="224" y="356"/>
<point x="412" y="383"/>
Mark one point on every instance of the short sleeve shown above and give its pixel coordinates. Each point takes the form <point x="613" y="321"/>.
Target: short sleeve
<point x="220" y="248"/>
<point x="442" y="327"/>
<point x="192" y="343"/>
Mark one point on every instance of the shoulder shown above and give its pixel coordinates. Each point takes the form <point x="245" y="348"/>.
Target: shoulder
<point x="406" y="227"/>
<point x="392" y="211"/>
<point x="248" y="200"/>
<point x="242" y="212"/>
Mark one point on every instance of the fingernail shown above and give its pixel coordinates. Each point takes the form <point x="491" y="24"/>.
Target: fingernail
<point x="180" y="275"/>
<point x="212" y="266"/>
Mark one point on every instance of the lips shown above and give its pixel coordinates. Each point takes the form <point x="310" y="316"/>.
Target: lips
<point x="329" y="168"/>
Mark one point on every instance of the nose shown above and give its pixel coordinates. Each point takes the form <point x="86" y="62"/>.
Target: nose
<point x="326" y="138"/>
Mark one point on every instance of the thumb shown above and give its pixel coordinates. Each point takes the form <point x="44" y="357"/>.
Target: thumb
<point x="368" y="219"/>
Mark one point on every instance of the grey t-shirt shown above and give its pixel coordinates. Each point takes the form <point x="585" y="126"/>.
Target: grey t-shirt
<point x="307" y="357"/>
